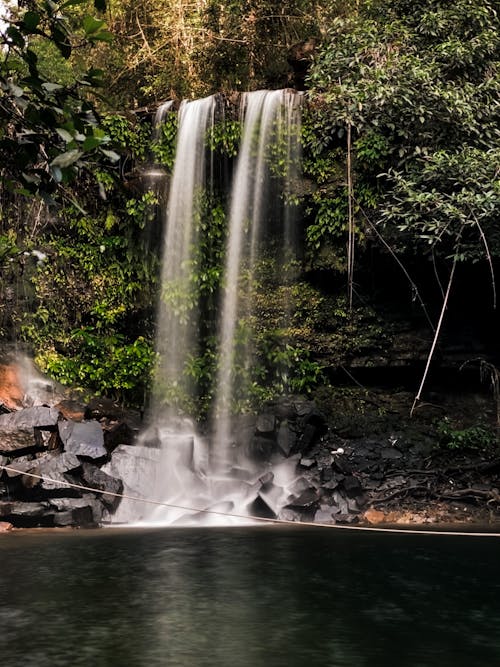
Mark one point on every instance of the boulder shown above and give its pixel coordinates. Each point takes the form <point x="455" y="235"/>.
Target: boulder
<point x="120" y="433"/>
<point x="266" y="424"/>
<point x="132" y="464"/>
<point x="98" y="479"/>
<point x="17" y="443"/>
<point x="84" y="511"/>
<point x="71" y="409"/>
<point x="305" y="500"/>
<point x="261" y="448"/>
<point x="11" y="391"/>
<point x="286" y="439"/>
<point x="29" y="418"/>
<point x="5" y="526"/>
<point x="260" y="508"/>
<point x="82" y="438"/>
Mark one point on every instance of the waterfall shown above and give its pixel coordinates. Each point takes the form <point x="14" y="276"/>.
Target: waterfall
<point x="186" y="468"/>
<point x="177" y="320"/>
<point x="270" y="132"/>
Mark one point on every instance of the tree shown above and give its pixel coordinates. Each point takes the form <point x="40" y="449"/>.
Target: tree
<point x="419" y="88"/>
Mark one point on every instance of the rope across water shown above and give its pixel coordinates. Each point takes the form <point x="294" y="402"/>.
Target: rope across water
<point x="296" y="524"/>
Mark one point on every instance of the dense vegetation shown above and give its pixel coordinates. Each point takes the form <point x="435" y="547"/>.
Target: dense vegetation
<point x="401" y="145"/>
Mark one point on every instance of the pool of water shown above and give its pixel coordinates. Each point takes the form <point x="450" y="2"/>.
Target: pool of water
<point x="248" y="597"/>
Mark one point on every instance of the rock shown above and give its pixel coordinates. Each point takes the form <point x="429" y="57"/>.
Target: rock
<point x="307" y="463"/>
<point x="100" y="480"/>
<point x="29" y="418"/>
<point x="304" y="408"/>
<point x="307" y="499"/>
<point x="82" y="438"/>
<point x="120" y="433"/>
<point x="288" y="514"/>
<point x="373" y="516"/>
<point x="352" y="486"/>
<point x="324" y="515"/>
<point x="52" y="464"/>
<point x="5" y="526"/>
<point x="390" y="453"/>
<point x="84" y="511"/>
<point x="266" y="424"/>
<point x="286" y="439"/>
<point x="11" y="391"/>
<point x="308" y="437"/>
<point x="132" y="464"/>
<point x="97" y="408"/>
<point x="261" y="448"/>
<point x="341" y="503"/>
<point x="266" y="480"/>
<point x="71" y="409"/>
<point x="17" y="443"/>
<point x="260" y="508"/>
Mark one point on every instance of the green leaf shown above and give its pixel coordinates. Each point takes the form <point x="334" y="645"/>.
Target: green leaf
<point x="103" y="36"/>
<point x="51" y="87"/>
<point x="90" y="143"/>
<point x="31" y="21"/>
<point x="70" y="3"/>
<point x="15" y="36"/>
<point x="66" y="159"/>
<point x="114" y="157"/>
<point x="92" y="25"/>
<point x="64" y="134"/>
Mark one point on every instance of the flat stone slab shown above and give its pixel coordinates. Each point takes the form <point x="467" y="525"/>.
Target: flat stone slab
<point x="82" y="438"/>
<point x="29" y="418"/>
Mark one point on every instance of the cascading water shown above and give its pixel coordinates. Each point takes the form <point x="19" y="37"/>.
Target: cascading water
<point x="191" y="471"/>
<point x="270" y="127"/>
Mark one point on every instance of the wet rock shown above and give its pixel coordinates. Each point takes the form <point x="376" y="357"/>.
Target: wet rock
<point x="266" y="480"/>
<point x="324" y="515"/>
<point x="133" y="464"/>
<point x="266" y="424"/>
<point x="307" y="463"/>
<point x="98" y="479"/>
<point x="260" y="508"/>
<point x="5" y="526"/>
<point x="261" y="448"/>
<point x="307" y="499"/>
<point x="286" y="439"/>
<point x="345" y="518"/>
<point x="84" y="511"/>
<point x="82" y="438"/>
<point x="299" y="485"/>
<point x="288" y="514"/>
<point x="29" y="418"/>
<point x="23" y="513"/>
<point x="121" y="433"/>
<point x="340" y="502"/>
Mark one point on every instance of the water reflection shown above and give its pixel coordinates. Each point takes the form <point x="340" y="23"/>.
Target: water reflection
<point x="248" y="597"/>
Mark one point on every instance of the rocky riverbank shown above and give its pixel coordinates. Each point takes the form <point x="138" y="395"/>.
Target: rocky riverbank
<point x="357" y="457"/>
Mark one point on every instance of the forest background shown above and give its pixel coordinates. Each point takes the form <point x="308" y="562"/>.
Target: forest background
<point x="399" y="198"/>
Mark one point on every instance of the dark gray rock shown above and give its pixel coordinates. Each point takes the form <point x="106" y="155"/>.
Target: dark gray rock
<point x="309" y="437"/>
<point x="121" y="433"/>
<point x="307" y="499"/>
<point x="288" y="514"/>
<point x="352" y="486"/>
<point x="307" y="463"/>
<point x="260" y="508"/>
<point x="98" y="479"/>
<point x="390" y="453"/>
<point x="266" y="424"/>
<point x="304" y="408"/>
<point x="29" y="418"/>
<point x="82" y="438"/>
<point x="266" y="480"/>
<point x="286" y="439"/>
<point x="324" y="515"/>
<point x="84" y="511"/>
<point x="261" y="448"/>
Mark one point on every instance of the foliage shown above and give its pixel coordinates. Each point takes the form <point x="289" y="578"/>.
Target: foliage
<point x="49" y="132"/>
<point x="478" y="436"/>
<point x="420" y="89"/>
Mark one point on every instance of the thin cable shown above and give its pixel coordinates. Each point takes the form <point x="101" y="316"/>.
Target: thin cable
<point x="261" y="519"/>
